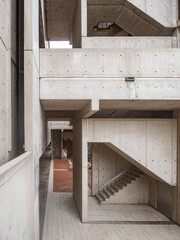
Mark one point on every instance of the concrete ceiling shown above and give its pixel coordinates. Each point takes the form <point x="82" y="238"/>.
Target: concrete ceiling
<point x="59" y="17"/>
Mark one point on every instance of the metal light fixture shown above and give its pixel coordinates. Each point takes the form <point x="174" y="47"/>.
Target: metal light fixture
<point x="129" y="79"/>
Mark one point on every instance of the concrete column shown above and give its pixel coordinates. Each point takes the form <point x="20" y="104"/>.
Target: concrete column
<point x="79" y="23"/>
<point x="84" y="18"/>
<point x="56" y="144"/>
<point x="35" y="117"/>
<point x="95" y="170"/>
<point x="153" y="193"/>
<point x="176" y="190"/>
<point x="80" y="168"/>
<point x="178" y="173"/>
<point x="69" y="148"/>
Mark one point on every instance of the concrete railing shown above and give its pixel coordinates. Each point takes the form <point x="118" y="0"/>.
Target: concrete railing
<point x="17" y="198"/>
<point x="9" y="169"/>
<point x="109" y="63"/>
<point x="129" y="42"/>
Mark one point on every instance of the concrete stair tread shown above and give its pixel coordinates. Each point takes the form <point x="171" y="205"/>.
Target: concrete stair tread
<point x="127" y="178"/>
<point x="112" y="189"/>
<point x="116" y="186"/>
<point x="109" y="193"/>
<point x="119" y="184"/>
<point x="99" y="198"/>
<point x="103" y="195"/>
<point x="134" y="174"/>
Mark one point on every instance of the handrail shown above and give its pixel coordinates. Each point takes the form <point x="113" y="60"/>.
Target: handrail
<point x="113" y="179"/>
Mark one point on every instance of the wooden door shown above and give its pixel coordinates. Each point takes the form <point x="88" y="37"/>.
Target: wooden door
<point x="56" y="144"/>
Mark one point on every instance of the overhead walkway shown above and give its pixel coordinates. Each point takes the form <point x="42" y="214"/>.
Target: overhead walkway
<point x="69" y="79"/>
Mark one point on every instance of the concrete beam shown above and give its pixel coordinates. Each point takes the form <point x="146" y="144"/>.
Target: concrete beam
<point x="113" y="93"/>
<point x="62" y="125"/>
<point x="88" y="110"/>
<point x="59" y="115"/>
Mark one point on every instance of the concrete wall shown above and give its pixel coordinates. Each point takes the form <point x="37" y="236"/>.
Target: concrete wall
<point x="8" y="79"/>
<point x="35" y="117"/>
<point x="17" y="199"/>
<point x="164" y="199"/>
<point x="163" y="11"/>
<point x="177" y="190"/>
<point x="151" y="143"/>
<point x="44" y="171"/>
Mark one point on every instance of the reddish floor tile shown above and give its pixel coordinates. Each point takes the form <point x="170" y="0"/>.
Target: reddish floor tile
<point x="63" y="176"/>
<point x="63" y="181"/>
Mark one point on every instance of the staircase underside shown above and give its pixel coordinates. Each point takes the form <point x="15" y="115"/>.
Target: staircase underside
<point x="126" y="15"/>
<point x="148" y="144"/>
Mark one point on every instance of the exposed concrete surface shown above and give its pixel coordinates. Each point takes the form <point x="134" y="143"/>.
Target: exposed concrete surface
<point x="153" y="143"/>
<point x="120" y="212"/>
<point x="139" y="18"/>
<point x="17" y="198"/>
<point x="44" y="171"/>
<point x="59" y="16"/>
<point x="80" y="164"/>
<point x="129" y="42"/>
<point x="62" y="221"/>
<point x="106" y="164"/>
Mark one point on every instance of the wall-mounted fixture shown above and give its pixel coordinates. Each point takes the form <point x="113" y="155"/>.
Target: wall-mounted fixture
<point x="129" y="79"/>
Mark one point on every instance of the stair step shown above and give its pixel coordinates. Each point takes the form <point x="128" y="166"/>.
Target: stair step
<point x="136" y="170"/>
<point x="99" y="198"/>
<point x="121" y="185"/>
<point x="115" y="186"/>
<point x="134" y="174"/>
<point x="123" y="181"/>
<point x="127" y="179"/>
<point x="103" y="195"/>
<point x="112" y="189"/>
<point x="131" y="177"/>
<point x="108" y="193"/>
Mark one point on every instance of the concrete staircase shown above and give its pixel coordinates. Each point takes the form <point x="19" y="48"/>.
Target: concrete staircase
<point x="118" y="183"/>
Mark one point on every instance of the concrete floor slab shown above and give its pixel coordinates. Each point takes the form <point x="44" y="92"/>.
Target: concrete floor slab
<point x="62" y="222"/>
